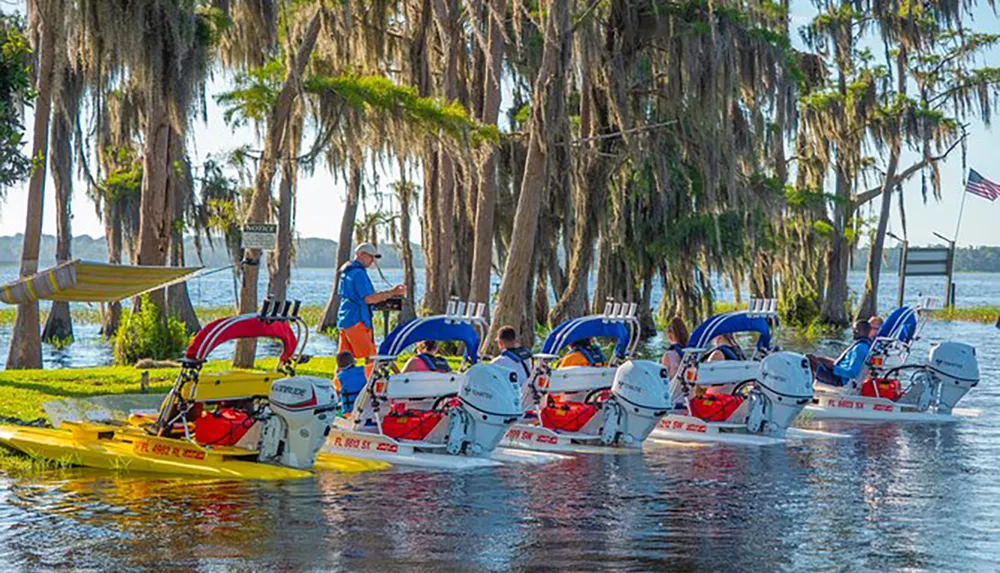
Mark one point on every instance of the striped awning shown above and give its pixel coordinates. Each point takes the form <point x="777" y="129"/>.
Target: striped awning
<point x="85" y="281"/>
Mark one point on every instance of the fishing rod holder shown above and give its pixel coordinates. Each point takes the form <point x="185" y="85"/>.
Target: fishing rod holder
<point x="465" y="311"/>
<point x="766" y="307"/>
<point x="279" y="311"/>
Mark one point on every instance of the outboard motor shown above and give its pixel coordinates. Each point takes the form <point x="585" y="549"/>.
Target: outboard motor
<point x="780" y="393"/>
<point x="490" y="402"/>
<point x="301" y="411"/>
<point x="956" y="370"/>
<point x="640" y="396"/>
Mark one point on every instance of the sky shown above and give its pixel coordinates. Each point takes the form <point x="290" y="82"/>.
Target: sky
<point x="321" y="197"/>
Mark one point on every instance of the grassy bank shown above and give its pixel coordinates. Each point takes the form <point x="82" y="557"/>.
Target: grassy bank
<point x="24" y="391"/>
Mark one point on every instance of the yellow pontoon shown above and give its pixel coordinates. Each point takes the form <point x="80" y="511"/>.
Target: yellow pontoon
<point x="242" y="425"/>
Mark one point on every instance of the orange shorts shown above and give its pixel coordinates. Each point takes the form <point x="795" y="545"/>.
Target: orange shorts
<point x="358" y="340"/>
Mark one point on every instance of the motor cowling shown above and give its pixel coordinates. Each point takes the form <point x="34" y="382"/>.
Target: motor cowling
<point x="957" y="371"/>
<point x="490" y="401"/>
<point x="783" y="389"/>
<point x="640" y="396"/>
<point x="301" y="410"/>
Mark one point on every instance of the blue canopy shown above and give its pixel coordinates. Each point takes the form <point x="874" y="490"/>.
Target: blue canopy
<point x="438" y="328"/>
<point x="730" y="323"/>
<point x="901" y="324"/>
<point x="587" y="327"/>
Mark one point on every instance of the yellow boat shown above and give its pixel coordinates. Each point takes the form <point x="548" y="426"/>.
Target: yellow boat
<point x="234" y="425"/>
<point x="131" y="449"/>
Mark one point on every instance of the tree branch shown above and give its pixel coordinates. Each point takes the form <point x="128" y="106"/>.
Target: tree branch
<point x="874" y="192"/>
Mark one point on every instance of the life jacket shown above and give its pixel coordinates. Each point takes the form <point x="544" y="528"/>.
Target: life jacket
<point x="521" y="355"/>
<point x="434" y="363"/>
<point x="728" y="351"/>
<point x="678" y="349"/>
<point x="883" y="388"/>
<point x="351" y="382"/>
<point x="593" y="354"/>
<point x="403" y="424"/>
<point x="567" y="416"/>
<point x="715" y="407"/>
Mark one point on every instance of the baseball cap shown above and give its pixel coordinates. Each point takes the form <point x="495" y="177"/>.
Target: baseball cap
<point x="368" y="249"/>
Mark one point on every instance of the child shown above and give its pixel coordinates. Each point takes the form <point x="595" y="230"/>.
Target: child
<point x="349" y="382"/>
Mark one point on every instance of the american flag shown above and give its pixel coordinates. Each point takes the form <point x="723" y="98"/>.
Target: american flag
<point x="979" y="185"/>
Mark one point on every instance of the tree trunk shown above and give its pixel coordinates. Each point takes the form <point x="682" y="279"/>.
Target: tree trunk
<point x="274" y="143"/>
<point x="180" y="187"/>
<point x="156" y="203"/>
<point x="354" y="191"/>
<point x="59" y="324"/>
<point x="26" y="347"/>
<point x="408" y="311"/>
<point x="548" y="102"/>
<point x="834" y="309"/>
<point x="482" y="248"/>
<point x="282" y="256"/>
<point x="113" y="238"/>
<point x="869" y="300"/>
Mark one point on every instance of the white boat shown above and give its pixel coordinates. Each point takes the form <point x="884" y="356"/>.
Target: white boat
<point x="891" y="389"/>
<point x="738" y="401"/>
<point x="592" y="409"/>
<point x="446" y="420"/>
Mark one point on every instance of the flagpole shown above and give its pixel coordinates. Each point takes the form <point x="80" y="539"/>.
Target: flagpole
<point x="961" y="210"/>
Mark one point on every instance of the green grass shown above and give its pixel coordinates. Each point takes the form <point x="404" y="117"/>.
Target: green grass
<point x="987" y="314"/>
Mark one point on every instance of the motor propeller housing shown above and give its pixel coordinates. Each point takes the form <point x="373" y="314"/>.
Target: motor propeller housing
<point x="956" y="370"/>
<point x="490" y="401"/>
<point x="302" y="408"/>
<point x="783" y="389"/>
<point x="640" y="397"/>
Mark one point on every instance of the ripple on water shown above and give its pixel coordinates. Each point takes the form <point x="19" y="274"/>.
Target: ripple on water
<point x="912" y="497"/>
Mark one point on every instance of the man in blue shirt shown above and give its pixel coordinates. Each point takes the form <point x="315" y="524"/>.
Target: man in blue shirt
<point x="354" y="316"/>
<point x="848" y="366"/>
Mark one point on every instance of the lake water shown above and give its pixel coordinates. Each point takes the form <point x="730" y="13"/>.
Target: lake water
<point x="889" y="498"/>
<point x="312" y="287"/>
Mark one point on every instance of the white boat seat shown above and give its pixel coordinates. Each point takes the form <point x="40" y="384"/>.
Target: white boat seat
<point x="419" y="385"/>
<point x="581" y="378"/>
<point x="726" y="372"/>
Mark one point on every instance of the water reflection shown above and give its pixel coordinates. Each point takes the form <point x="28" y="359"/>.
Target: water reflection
<point x="913" y="497"/>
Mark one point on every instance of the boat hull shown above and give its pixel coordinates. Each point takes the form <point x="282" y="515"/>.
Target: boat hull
<point x="681" y="428"/>
<point x="532" y="437"/>
<point x="852" y="407"/>
<point x="373" y="446"/>
<point x="122" y="449"/>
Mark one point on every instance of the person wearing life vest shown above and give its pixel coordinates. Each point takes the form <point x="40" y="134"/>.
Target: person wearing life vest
<point x="848" y="365"/>
<point x="354" y="316"/>
<point x="725" y="348"/>
<point x="512" y="355"/>
<point x="349" y="383"/>
<point x="584" y="353"/>
<point x="427" y="359"/>
<point x="677" y="336"/>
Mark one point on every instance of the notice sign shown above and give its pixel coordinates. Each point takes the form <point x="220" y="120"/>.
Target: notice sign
<point x="259" y="236"/>
<point x="927" y="262"/>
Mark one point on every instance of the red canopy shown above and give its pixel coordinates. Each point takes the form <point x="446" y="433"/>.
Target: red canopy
<point x="246" y="326"/>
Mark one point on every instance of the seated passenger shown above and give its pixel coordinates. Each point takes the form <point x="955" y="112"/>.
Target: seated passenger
<point x="841" y="371"/>
<point x="725" y="349"/>
<point x="427" y="359"/>
<point x="513" y="355"/>
<point x="349" y="383"/>
<point x="677" y="336"/>
<point x="584" y="353"/>
<point x="875" y="322"/>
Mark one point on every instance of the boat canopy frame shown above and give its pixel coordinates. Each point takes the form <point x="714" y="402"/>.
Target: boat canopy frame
<point x="276" y="319"/>
<point x="619" y="321"/>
